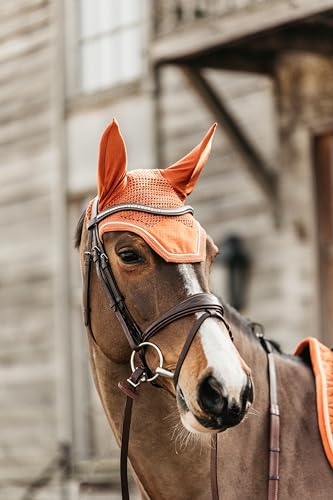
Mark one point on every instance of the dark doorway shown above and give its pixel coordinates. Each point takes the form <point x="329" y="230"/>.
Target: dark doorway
<point x="323" y="178"/>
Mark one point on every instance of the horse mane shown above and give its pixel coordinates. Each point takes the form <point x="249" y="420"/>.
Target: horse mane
<point x="78" y="231"/>
<point x="246" y="325"/>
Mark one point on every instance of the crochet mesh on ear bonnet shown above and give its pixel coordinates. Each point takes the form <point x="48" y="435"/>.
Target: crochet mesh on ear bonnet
<point x="174" y="238"/>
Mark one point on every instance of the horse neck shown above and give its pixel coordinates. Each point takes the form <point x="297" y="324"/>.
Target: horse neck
<point x="300" y="443"/>
<point x="166" y="468"/>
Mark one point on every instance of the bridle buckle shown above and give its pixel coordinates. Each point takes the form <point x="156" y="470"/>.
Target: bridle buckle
<point x="135" y="385"/>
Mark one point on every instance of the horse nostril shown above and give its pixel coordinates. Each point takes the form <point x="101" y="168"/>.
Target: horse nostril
<point x="210" y="396"/>
<point x="250" y="385"/>
<point x="247" y="396"/>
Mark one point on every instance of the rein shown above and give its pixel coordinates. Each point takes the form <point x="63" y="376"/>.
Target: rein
<point x="139" y="340"/>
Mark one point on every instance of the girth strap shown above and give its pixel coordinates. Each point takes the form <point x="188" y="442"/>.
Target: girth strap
<point x="274" y="440"/>
<point x="274" y="413"/>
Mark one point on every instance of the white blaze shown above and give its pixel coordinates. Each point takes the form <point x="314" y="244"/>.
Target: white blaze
<point x="190" y="279"/>
<point x="220" y="352"/>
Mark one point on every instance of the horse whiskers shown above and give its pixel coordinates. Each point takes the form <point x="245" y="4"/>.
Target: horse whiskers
<point x="174" y="421"/>
<point x="173" y="416"/>
<point x="253" y="411"/>
<point x="187" y="439"/>
<point x="176" y="431"/>
<point x="184" y="439"/>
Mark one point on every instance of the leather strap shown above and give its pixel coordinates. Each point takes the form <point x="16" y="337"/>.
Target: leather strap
<point x="213" y="468"/>
<point x="274" y="412"/>
<point x="187" y="346"/>
<point x="274" y="444"/>
<point x="124" y="447"/>
<point x="194" y="303"/>
<point x="181" y="359"/>
<point x="104" y="272"/>
<point x="86" y="282"/>
<point x="135" y="377"/>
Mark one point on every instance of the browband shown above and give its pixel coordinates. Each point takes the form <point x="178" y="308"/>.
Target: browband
<point x="122" y="207"/>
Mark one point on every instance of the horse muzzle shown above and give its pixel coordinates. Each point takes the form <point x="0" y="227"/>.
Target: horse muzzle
<point x="218" y="410"/>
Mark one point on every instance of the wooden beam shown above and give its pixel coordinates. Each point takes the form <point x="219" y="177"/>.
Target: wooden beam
<point x="246" y="60"/>
<point x="304" y="37"/>
<point x="212" y="32"/>
<point x="254" y="161"/>
<point x="259" y="54"/>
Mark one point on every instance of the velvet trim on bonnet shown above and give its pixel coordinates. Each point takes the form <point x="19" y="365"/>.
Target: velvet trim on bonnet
<point x="174" y="238"/>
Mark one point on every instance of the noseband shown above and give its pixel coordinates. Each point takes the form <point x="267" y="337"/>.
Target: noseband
<point x="139" y="340"/>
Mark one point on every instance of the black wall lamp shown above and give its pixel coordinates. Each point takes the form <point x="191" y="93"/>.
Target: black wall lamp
<point x="236" y="260"/>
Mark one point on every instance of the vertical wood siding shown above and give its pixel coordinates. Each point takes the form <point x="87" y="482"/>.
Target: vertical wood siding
<point x="27" y="417"/>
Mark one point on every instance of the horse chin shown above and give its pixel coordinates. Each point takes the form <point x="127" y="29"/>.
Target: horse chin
<point x="200" y="425"/>
<point x="192" y="424"/>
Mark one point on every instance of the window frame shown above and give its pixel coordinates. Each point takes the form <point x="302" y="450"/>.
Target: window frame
<point x="75" y="94"/>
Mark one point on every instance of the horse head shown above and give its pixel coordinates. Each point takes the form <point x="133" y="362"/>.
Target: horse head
<point x="159" y="260"/>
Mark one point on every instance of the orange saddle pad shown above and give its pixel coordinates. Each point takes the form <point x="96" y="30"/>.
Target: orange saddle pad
<point x="322" y="365"/>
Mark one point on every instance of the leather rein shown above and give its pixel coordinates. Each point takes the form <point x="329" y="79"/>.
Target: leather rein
<point x="205" y="303"/>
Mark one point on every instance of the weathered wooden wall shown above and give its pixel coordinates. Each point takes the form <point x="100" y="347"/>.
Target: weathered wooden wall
<point x="228" y="201"/>
<point x="305" y="109"/>
<point x="95" y="457"/>
<point x="27" y="416"/>
<point x="283" y="290"/>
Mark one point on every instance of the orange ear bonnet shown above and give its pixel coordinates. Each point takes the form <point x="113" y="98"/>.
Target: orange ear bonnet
<point x="175" y="238"/>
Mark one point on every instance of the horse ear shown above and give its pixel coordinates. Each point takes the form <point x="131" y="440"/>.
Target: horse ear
<point x="184" y="174"/>
<point x="112" y="164"/>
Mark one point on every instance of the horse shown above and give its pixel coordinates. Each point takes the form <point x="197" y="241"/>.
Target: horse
<point x="219" y="376"/>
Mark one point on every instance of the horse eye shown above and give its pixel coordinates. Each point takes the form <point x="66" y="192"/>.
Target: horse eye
<point x="130" y="257"/>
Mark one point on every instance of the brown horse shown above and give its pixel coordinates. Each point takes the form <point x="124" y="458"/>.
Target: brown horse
<point x="169" y="449"/>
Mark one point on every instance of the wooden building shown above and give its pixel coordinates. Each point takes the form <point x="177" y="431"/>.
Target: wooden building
<point x="264" y="70"/>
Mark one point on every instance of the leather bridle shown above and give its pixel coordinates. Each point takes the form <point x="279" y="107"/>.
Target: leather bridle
<point x="205" y="303"/>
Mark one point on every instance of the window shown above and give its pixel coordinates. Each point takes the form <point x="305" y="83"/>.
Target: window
<point x="111" y="44"/>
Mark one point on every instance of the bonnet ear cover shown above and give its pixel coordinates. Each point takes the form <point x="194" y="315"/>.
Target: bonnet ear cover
<point x="112" y="163"/>
<point x="174" y="238"/>
<point x="184" y="174"/>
